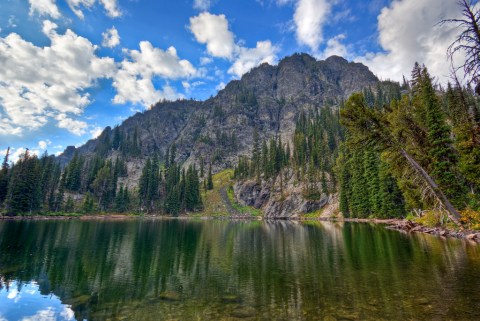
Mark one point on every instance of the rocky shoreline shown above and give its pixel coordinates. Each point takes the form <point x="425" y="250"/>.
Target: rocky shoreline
<point x="412" y="227"/>
<point x="409" y="226"/>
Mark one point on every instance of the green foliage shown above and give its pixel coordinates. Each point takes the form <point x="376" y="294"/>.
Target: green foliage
<point x="24" y="193"/>
<point x="413" y="132"/>
<point x="4" y="176"/>
<point x="210" y="178"/>
<point x="88" y="204"/>
<point x="242" y="209"/>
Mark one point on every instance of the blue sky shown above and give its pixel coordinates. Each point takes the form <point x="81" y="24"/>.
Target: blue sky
<point x="72" y="67"/>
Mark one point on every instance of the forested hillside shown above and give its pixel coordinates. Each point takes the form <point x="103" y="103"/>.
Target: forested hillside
<point x="428" y="140"/>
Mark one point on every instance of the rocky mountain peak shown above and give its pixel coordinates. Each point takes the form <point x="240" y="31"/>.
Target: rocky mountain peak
<point x="267" y="99"/>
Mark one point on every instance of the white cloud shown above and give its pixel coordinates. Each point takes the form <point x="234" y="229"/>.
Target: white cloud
<point x="205" y="61"/>
<point x="111" y="38"/>
<point x="133" y="80"/>
<point x="14" y="292"/>
<point x="39" y="84"/>
<point x="189" y="86"/>
<point x="251" y="57"/>
<point x="47" y="314"/>
<point x="67" y="313"/>
<point x="309" y="18"/>
<point x="49" y="27"/>
<point x="186" y="85"/>
<point x="11" y="22"/>
<point x="336" y="47"/>
<point x="409" y="32"/>
<point x="213" y="31"/>
<point x="220" y="86"/>
<point x="44" y="8"/>
<point x="95" y="132"/>
<point x="76" y="127"/>
<point x="111" y="7"/>
<point x="50" y="8"/>
<point x="15" y="154"/>
<point x="43" y="144"/>
<point x="202" y="4"/>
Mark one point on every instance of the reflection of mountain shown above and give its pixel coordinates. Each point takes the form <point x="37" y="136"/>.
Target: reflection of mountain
<point x="157" y="269"/>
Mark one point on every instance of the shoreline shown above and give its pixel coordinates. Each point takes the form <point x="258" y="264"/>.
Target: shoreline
<point x="401" y="225"/>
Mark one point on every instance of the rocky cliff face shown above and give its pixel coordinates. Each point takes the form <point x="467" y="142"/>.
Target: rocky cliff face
<point x="277" y="198"/>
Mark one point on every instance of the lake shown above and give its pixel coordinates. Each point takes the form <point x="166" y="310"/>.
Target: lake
<point x="147" y="269"/>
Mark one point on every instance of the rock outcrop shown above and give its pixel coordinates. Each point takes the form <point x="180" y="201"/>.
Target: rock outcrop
<point x="278" y="199"/>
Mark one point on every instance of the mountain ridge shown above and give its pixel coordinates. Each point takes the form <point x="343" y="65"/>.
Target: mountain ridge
<point x="267" y="98"/>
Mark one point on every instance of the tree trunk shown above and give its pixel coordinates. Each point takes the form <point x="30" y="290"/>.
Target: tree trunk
<point x="452" y="212"/>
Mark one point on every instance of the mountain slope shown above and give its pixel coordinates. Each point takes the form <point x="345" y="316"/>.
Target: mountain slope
<point x="218" y="130"/>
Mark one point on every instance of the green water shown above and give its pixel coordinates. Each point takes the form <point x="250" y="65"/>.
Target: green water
<point x="224" y="270"/>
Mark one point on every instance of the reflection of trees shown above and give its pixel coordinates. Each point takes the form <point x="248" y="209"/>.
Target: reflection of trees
<point x="282" y="269"/>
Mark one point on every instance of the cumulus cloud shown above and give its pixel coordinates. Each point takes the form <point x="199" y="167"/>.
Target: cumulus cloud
<point x="95" y="132"/>
<point x="336" y="47"/>
<point x="250" y="57"/>
<point x="111" y="7"/>
<point x="15" y="154"/>
<point x="44" y="8"/>
<point x="50" y="8"/>
<point x="408" y="32"/>
<point x="205" y="61"/>
<point x="111" y="38"/>
<point x="213" y="31"/>
<point x="220" y="86"/>
<point x="309" y="18"/>
<point x="76" y="127"/>
<point x="202" y="4"/>
<point x="133" y="81"/>
<point x="43" y="144"/>
<point x="47" y="314"/>
<point x="42" y="84"/>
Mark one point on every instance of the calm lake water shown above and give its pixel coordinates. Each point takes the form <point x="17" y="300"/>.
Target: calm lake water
<point x="223" y="270"/>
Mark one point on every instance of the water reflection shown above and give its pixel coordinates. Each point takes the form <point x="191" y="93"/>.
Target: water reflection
<point x="164" y="269"/>
<point x="33" y="304"/>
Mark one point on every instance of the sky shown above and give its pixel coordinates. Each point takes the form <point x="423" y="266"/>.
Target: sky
<point x="69" y="68"/>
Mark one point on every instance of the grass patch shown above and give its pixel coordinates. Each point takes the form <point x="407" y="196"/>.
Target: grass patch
<point x="66" y="214"/>
<point x="432" y="218"/>
<point x="212" y="200"/>
<point x="244" y="209"/>
<point x="313" y="215"/>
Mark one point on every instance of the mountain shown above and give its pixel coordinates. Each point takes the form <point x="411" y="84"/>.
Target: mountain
<point x="218" y="130"/>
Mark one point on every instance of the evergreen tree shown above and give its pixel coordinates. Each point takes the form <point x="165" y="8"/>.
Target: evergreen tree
<point x="443" y="157"/>
<point x="23" y="194"/>
<point x="371" y="164"/>
<point x="4" y="176"/>
<point x="88" y="204"/>
<point x="392" y="203"/>
<point x="345" y="184"/>
<point x="58" y="204"/>
<point x="210" y="178"/>
<point x="69" y="205"/>
<point x="360" y="201"/>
